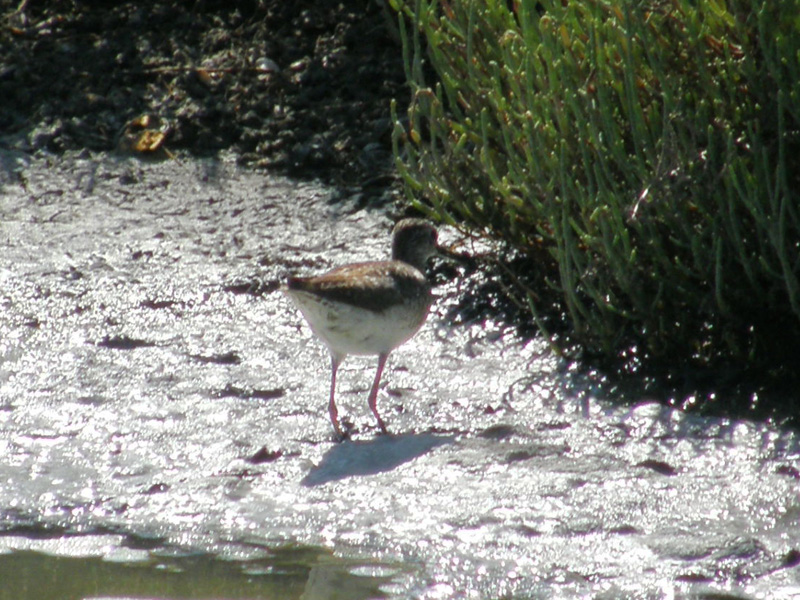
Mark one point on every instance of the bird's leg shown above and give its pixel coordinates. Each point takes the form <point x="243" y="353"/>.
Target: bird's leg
<point x="336" y="360"/>
<point x="373" y="393"/>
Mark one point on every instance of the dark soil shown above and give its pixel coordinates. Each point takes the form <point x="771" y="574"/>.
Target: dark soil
<point x="301" y="87"/>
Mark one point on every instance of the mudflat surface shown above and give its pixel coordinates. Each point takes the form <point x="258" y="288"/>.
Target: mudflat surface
<point x="160" y="397"/>
<point x="163" y="422"/>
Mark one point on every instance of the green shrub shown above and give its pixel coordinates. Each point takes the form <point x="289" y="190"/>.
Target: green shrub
<point x="648" y="152"/>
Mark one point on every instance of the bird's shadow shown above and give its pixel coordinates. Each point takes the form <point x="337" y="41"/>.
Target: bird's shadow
<point x="378" y="455"/>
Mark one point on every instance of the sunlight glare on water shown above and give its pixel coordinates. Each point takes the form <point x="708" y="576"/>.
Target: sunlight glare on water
<point x="145" y="391"/>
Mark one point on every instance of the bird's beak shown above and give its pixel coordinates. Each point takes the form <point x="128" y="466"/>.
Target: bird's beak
<point x="449" y="254"/>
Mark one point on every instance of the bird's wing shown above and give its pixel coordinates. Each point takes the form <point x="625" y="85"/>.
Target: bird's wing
<point x="373" y="286"/>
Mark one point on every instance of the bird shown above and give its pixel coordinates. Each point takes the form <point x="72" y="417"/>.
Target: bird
<point x="370" y="308"/>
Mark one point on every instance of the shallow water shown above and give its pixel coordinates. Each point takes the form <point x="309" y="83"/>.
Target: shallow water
<point x="59" y="571"/>
<point x="160" y="398"/>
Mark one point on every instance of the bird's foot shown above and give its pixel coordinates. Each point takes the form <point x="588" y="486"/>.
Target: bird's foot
<point x="344" y="431"/>
<point x="382" y="428"/>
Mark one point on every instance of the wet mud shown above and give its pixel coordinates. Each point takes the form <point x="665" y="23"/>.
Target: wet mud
<point x="159" y="397"/>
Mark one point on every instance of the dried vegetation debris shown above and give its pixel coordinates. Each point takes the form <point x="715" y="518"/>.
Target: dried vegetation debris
<point x="302" y="87"/>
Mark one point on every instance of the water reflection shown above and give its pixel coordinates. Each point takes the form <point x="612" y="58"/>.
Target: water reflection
<point x="300" y="573"/>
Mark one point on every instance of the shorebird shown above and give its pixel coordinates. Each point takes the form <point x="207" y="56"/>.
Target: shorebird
<point x="370" y="307"/>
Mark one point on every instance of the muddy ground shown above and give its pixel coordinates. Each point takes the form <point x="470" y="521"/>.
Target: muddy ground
<point x="302" y="87"/>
